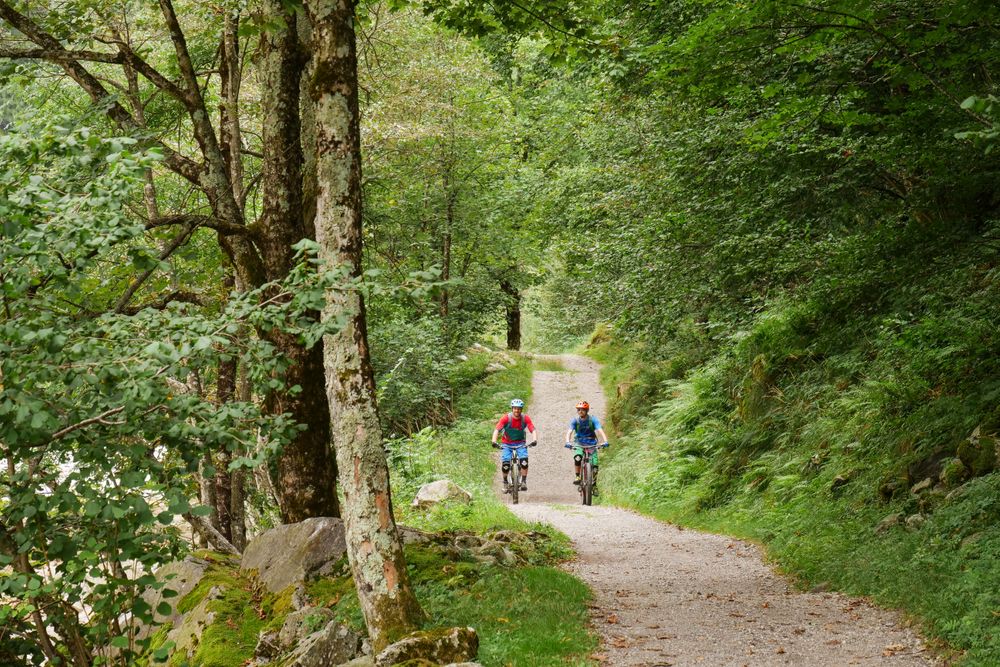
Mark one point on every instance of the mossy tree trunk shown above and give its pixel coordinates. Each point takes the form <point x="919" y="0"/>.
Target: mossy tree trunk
<point x="374" y="547"/>
<point x="307" y="471"/>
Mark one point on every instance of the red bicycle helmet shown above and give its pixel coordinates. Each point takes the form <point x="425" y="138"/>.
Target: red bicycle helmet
<point x="583" y="405"/>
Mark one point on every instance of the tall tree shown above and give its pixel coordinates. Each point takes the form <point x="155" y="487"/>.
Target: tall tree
<point x="258" y="253"/>
<point x="375" y="549"/>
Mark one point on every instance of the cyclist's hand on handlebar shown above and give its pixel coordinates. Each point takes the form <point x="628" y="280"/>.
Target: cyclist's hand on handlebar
<point x="605" y="445"/>
<point x="532" y="444"/>
<point x="568" y="446"/>
<point x="494" y="445"/>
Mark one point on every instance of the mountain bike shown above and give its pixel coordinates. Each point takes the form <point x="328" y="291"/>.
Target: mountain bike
<point x="586" y="471"/>
<point x="515" y="469"/>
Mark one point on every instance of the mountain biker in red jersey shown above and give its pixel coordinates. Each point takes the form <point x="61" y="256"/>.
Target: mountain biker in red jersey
<point x="585" y="429"/>
<point x="515" y="426"/>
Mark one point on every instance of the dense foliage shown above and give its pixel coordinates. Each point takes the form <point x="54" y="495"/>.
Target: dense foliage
<point x="788" y="211"/>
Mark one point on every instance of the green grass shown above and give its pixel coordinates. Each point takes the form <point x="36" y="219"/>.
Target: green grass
<point x="531" y="615"/>
<point x="794" y="458"/>
<point x="552" y="365"/>
<point x="462" y="454"/>
<point x="525" y="616"/>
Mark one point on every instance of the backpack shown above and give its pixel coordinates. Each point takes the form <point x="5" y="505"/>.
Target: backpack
<point x="510" y="424"/>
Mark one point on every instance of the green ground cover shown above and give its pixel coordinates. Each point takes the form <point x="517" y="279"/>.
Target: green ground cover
<point x="809" y="465"/>
<point x="555" y="365"/>
<point x="532" y="615"/>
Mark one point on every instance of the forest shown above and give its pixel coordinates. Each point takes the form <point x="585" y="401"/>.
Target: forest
<point x="267" y="262"/>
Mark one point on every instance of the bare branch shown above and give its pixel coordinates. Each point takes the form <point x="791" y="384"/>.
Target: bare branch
<point x="221" y="226"/>
<point x="61" y="55"/>
<point x="87" y="422"/>
<point x="167" y="251"/>
<point x="180" y="164"/>
<point x="174" y="296"/>
<point x="204" y="528"/>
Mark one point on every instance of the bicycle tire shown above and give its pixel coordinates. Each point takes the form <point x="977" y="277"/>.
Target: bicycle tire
<point x="515" y="475"/>
<point x="586" y="484"/>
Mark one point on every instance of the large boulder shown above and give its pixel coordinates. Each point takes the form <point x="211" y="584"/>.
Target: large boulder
<point x="440" y="491"/>
<point x="440" y="647"/>
<point x="182" y="577"/>
<point x="295" y="552"/>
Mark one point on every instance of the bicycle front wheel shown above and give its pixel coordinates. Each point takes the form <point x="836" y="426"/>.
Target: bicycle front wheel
<point x="515" y="476"/>
<point x="587" y="483"/>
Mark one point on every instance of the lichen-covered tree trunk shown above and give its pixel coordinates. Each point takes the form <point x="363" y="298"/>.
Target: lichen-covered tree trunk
<point x="375" y="550"/>
<point x="307" y="471"/>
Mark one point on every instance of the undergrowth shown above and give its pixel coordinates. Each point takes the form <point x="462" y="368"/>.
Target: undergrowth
<point x="808" y="430"/>
<point x="462" y="454"/>
<point x="530" y="615"/>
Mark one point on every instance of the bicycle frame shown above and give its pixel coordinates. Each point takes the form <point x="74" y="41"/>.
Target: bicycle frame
<point x="515" y="471"/>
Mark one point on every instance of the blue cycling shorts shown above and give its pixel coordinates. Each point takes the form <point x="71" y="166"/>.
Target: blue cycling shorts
<point x="506" y="454"/>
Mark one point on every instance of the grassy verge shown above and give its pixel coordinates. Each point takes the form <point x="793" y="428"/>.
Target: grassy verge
<point x="809" y="465"/>
<point x="554" y="365"/>
<point x="533" y="616"/>
<point x="462" y="454"/>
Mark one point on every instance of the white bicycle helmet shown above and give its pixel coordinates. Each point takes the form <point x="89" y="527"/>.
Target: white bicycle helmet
<point x="517" y="403"/>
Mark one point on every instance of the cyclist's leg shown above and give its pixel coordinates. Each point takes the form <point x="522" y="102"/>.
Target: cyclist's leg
<point x="522" y="455"/>
<point x="577" y="461"/>
<point x="505" y="457"/>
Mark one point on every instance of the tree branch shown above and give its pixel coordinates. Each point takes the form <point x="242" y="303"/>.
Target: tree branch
<point x="209" y="532"/>
<point x="180" y="164"/>
<point x="176" y="243"/>
<point x="87" y="422"/>
<point x="221" y="226"/>
<point x="61" y="55"/>
<point x="183" y="296"/>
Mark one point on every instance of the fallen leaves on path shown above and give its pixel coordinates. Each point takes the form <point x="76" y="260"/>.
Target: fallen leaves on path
<point x="892" y="649"/>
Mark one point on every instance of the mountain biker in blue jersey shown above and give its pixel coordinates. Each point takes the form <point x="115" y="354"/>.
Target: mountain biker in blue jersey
<point x="585" y="429"/>
<point x="515" y="426"/>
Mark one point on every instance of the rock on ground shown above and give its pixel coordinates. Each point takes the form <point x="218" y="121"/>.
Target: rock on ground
<point x="332" y="645"/>
<point x="441" y="647"/>
<point x="440" y="491"/>
<point x="181" y="577"/>
<point x="295" y="552"/>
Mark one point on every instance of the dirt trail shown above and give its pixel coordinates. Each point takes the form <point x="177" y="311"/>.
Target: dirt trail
<point x="668" y="596"/>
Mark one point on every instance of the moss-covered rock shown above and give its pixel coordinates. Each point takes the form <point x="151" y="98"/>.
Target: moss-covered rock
<point x="295" y="552"/>
<point x="440" y="647"/>
<point x="979" y="454"/>
<point x="334" y="644"/>
<point x="953" y="472"/>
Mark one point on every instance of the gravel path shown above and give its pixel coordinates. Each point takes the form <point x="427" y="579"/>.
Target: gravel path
<point x="668" y="596"/>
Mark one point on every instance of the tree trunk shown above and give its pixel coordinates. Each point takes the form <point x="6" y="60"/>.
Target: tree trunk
<point x="307" y="472"/>
<point x="225" y="392"/>
<point x="374" y="548"/>
<point x="513" y="308"/>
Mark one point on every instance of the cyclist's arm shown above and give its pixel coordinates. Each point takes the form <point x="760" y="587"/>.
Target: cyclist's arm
<point x="602" y="437"/>
<point x="496" y="432"/>
<point x="569" y="435"/>
<point x="531" y="429"/>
